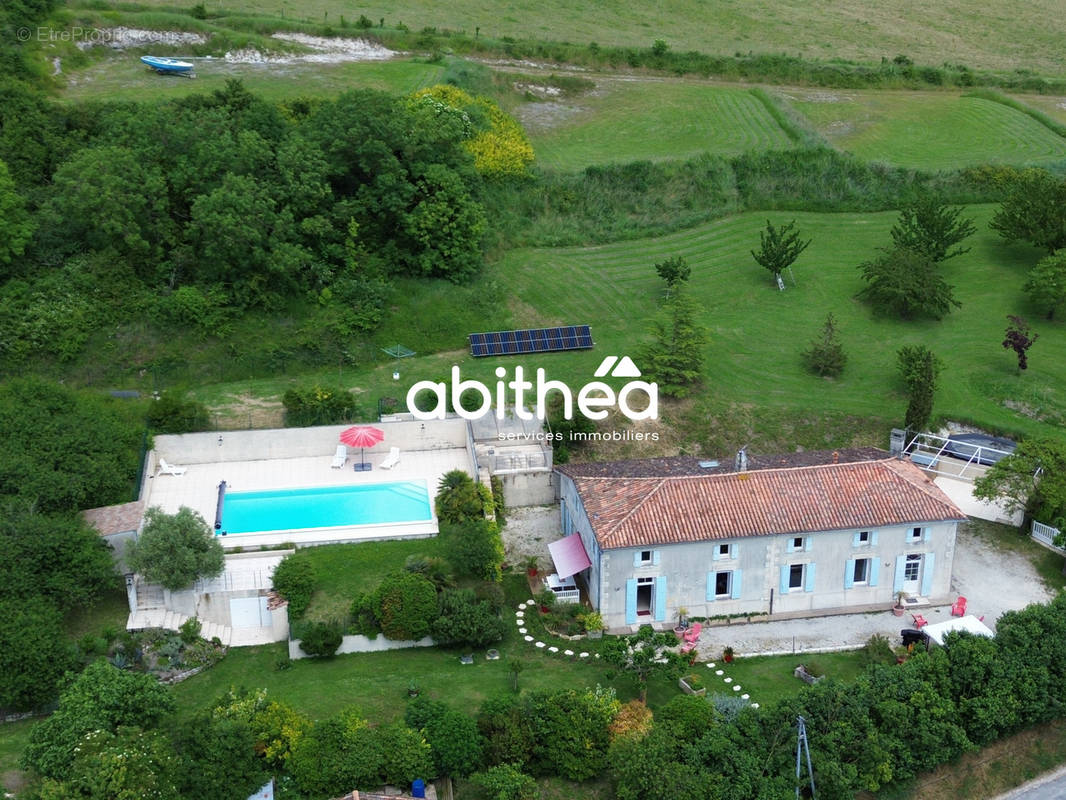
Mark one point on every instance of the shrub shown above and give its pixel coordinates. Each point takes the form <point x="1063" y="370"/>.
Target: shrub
<point x="173" y="413"/>
<point x="294" y="579"/>
<point x="878" y="651"/>
<point x="364" y="620"/>
<point x="506" y="782"/>
<point x="475" y="548"/>
<point x="189" y="631"/>
<point x="405" y="604"/>
<point x="825" y="356"/>
<point x="317" y="405"/>
<point x="175" y="549"/>
<point x="633" y="719"/>
<point x="465" y="620"/>
<point x="458" y="498"/>
<point x="321" y="639"/>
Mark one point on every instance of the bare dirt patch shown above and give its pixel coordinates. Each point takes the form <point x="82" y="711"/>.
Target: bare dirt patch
<point x="323" y="50"/>
<point x="827" y="97"/>
<point x="546" y="115"/>
<point x="247" y="411"/>
<point x="122" y="38"/>
<point x="528" y="532"/>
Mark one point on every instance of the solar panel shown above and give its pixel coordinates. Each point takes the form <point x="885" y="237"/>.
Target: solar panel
<point x="531" y="340"/>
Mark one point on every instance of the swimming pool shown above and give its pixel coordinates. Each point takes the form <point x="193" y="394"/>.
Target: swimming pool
<point x="325" y="507"/>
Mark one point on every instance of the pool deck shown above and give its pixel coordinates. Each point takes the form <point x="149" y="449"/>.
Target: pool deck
<point x="198" y="489"/>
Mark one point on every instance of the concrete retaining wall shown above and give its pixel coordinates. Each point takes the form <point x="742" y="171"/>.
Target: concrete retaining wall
<point x="358" y="643"/>
<point x="534" y="488"/>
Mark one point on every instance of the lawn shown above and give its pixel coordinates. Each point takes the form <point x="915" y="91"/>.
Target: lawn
<point x="964" y="31"/>
<point x="757" y="332"/>
<point x="123" y="77"/>
<point x="633" y="120"/>
<point x="770" y="678"/>
<point x="928" y="130"/>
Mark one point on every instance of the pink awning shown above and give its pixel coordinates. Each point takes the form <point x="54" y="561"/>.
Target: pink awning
<point x="569" y="556"/>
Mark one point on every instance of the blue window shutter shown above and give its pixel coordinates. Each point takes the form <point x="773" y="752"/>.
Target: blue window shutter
<point x="636" y="559"/>
<point x="928" y="563"/>
<point x="925" y="535"/>
<point x="736" y="584"/>
<point x="631" y="601"/>
<point x="873" y="538"/>
<point x="710" y="587"/>
<point x="849" y="572"/>
<point x="714" y="552"/>
<point x="809" y="582"/>
<point x="660" y="599"/>
<point x="897" y="580"/>
<point x="855" y="539"/>
<point x="784" y="579"/>
<point x="655" y="558"/>
<point x="875" y="567"/>
<point x="807" y="543"/>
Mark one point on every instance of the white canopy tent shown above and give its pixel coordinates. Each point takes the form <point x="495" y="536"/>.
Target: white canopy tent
<point x="937" y="631"/>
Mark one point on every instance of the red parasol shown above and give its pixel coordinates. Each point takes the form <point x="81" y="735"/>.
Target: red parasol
<point x="362" y="436"/>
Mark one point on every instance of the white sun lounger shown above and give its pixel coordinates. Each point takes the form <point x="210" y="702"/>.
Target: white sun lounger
<point x="170" y="469"/>
<point x="391" y="460"/>
<point x="340" y="458"/>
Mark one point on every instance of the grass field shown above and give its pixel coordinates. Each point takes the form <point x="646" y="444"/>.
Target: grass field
<point x="625" y="121"/>
<point x="928" y="130"/>
<point x="125" y="78"/>
<point x="770" y="678"/>
<point x="999" y="35"/>
<point x="1054" y="107"/>
<point x="757" y="332"/>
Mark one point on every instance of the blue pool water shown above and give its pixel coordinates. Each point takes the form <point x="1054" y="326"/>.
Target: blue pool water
<point x="293" y="509"/>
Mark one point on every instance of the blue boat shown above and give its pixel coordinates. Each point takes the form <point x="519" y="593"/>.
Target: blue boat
<point x="167" y="65"/>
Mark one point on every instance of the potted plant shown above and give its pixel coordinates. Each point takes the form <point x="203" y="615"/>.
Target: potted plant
<point x="898" y="609"/>
<point x="692" y="684"/>
<point x="682" y="623"/>
<point x="727" y="655"/>
<point x="413" y="689"/>
<point x="593" y="623"/>
<point x="531" y="566"/>
<point x="545" y="599"/>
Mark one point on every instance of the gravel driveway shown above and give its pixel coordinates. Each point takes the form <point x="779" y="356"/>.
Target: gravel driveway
<point x="992" y="579"/>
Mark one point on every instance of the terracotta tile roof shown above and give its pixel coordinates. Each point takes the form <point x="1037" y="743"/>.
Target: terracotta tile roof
<point x="637" y="511"/>
<point x="690" y="465"/>
<point x="115" y="519"/>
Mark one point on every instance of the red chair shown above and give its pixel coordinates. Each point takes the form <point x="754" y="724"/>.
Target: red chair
<point x="919" y="621"/>
<point x="959" y="608"/>
<point x="693" y="633"/>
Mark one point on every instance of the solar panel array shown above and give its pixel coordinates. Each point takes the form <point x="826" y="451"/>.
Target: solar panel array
<point x="533" y="340"/>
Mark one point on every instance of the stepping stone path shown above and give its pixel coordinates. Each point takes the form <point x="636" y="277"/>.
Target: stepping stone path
<point x="520" y="614"/>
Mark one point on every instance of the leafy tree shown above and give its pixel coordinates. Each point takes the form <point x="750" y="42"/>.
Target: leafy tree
<point x="174" y="413"/>
<point x="674" y="356"/>
<point x="294" y="579"/>
<point x="506" y="782"/>
<point x="131" y="764"/>
<point x="1034" y="210"/>
<point x="825" y="356"/>
<point x="1019" y="339"/>
<point x="1033" y="478"/>
<point x="465" y="620"/>
<point x="406" y="755"/>
<point x="907" y="283"/>
<point x="927" y="225"/>
<point x="16" y="225"/>
<point x="321" y="639"/>
<point x="779" y="247"/>
<point x="175" y="549"/>
<point x="452" y="735"/>
<point x="674" y="271"/>
<point x="111" y="199"/>
<point x="101" y="698"/>
<point x="458" y="498"/>
<point x="475" y="547"/>
<point x="405" y="605"/>
<point x="57" y="556"/>
<point x="334" y="756"/>
<point x="276" y="726"/>
<point x="570" y="731"/>
<point x="644" y="654"/>
<point x="34" y="653"/>
<point x="64" y="450"/>
<point x="218" y="758"/>
<point x="920" y="370"/>
<point x="507" y="729"/>
<point x="1046" y="285"/>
